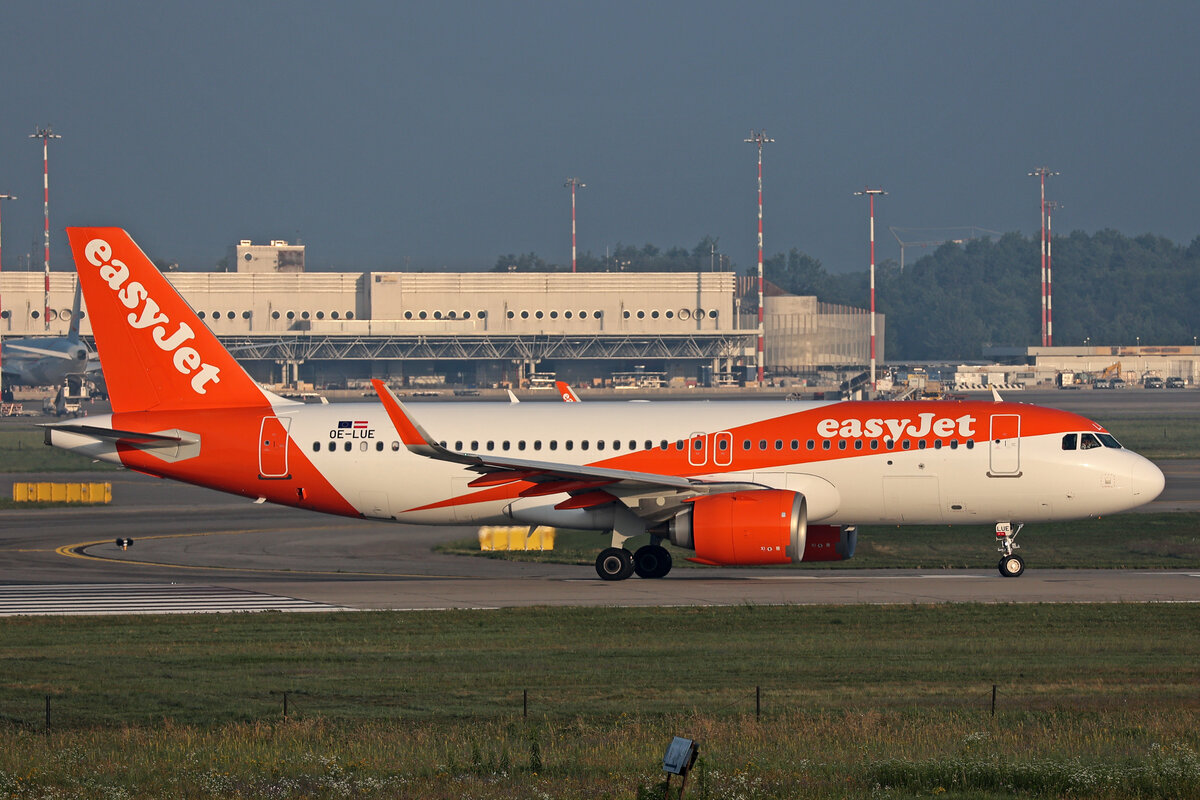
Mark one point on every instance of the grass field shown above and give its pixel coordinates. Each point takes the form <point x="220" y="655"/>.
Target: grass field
<point x="23" y="450"/>
<point x="1141" y="541"/>
<point x="1093" y="701"/>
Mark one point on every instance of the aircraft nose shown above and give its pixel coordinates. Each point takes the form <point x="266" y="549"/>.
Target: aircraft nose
<point x="1146" y="480"/>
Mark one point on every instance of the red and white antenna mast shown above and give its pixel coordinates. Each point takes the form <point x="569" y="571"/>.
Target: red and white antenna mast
<point x="573" y="183"/>
<point x="1051" y="206"/>
<point x="2" y="198"/>
<point x="1043" y="173"/>
<point x="46" y="134"/>
<point x="759" y="138"/>
<point x="871" y="194"/>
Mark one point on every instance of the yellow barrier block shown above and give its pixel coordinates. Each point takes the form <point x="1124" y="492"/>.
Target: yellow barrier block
<point x="515" y="537"/>
<point x="62" y="492"/>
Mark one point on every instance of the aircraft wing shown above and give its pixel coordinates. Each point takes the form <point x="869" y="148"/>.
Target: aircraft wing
<point x="26" y="349"/>
<point x="588" y="486"/>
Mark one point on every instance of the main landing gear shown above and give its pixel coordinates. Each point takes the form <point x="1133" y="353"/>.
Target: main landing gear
<point x="1011" y="565"/>
<point x="617" y="563"/>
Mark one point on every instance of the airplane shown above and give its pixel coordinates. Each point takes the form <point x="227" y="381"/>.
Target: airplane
<point x="48" y="360"/>
<point x="566" y="392"/>
<point x="737" y="482"/>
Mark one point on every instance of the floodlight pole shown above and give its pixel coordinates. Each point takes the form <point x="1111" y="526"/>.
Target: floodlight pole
<point x="1050" y="207"/>
<point x="573" y="184"/>
<point x="871" y="194"/>
<point x="2" y="198"/>
<point x="46" y="134"/>
<point x="1042" y="173"/>
<point x="759" y="138"/>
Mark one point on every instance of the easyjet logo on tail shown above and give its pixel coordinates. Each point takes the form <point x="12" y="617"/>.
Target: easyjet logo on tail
<point x="148" y="315"/>
<point x="926" y="423"/>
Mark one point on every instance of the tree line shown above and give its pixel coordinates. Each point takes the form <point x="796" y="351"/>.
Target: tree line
<point x="1108" y="289"/>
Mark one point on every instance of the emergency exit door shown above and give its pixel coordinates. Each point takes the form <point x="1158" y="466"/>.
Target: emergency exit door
<point x="273" y="447"/>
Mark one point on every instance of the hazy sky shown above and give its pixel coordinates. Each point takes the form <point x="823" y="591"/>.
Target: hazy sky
<point x="439" y="134"/>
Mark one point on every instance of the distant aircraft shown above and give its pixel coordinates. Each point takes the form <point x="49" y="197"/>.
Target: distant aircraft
<point x="48" y="360"/>
<point x="736" y="482"/>
<point x="566" y="392"/>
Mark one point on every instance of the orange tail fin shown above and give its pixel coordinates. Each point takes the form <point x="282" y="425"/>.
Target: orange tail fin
<point x="154" y="350"/>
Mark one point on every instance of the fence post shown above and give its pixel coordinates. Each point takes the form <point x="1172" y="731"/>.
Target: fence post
<point x="285" y="694"/>
<point x="993" y="699"/>
<point x="757" y="702"/>
<point x="47" y="713"/>
<point x="524" y="702"/>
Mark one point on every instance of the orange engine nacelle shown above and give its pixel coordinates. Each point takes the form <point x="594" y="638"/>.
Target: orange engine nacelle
<point x="760" y="526"/>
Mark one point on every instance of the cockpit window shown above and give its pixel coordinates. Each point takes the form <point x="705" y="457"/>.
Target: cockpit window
<point x="1069" y="441"/>
<point x="1087" y="441"/>
<point x="1109" y="441"/>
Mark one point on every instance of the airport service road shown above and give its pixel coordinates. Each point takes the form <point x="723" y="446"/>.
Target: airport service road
<point x="192" y="545"/>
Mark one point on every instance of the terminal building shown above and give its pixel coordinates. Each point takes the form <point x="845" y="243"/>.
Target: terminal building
<point x="481" y="329"/>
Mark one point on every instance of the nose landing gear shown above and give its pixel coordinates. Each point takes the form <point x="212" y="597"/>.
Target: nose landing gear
<point x="1011" y="565"/>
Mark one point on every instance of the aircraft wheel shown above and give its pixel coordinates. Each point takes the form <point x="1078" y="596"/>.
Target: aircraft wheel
<point x="614" y="564"/>
<point x="1011" y="566"/>
<point x="651" y="561"/>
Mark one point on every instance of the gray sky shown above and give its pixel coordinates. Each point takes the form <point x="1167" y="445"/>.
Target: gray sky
<point x="439" y="134"/>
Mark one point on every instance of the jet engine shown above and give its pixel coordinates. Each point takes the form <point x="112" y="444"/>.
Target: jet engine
<point x="760" y="526"/>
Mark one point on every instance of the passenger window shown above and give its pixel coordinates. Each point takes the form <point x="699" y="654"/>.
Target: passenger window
<point x="316" y="447"/>
<point x="906" y="444"/>
<point x="954" y="444"/>
<point x="779" y="444"/>
<point x="554" y="444"/>
<point x="841" y="444"/>
<point x="662" y="445"/>
<point x="937" y="444"/>
<point x="649" y="445"/>
<point x="583" y="445"/>
<point x="570" y="445"/>
<point x="1068" y="442"/>
<point x="395" y="447"/>
<point x="491" y="446"/>
<point x="874" y="444"/>
<point x="679" y="444"/>
<point x="810" y="444"/>
<point x="762" y="444"/>
<point x="348" y="445"/>
<point x="970" y="444"/>
<point x="921" y="444"/>
<point x="795" y="444"/>
<point x="745" y="444"/>
<point x="697" y="444"/>
<point x="537" y="444"/>
<point x="858" y="444"/>
<point x="825" y="445"/>
<point x="722" y="445"/>
<point x="600" y="444"/>
<point x="632" y="444"/>
<point x="474" y="446"/>
<point x="616" y="444"/>
<point x="458" y="446"/>
<point x="1087" y="441"/>
<point x="521" y="445"/>
<point x="504" y="445"/>
<point x="379" y="447"/>
<point x="332" y="446"/>
<point x="889" y="444"/>
<point x="362" y="446"/>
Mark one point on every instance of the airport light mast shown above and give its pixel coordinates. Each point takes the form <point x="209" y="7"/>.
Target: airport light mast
<point x="573" y="184"/>
<point x="759" y="138"/>
<point x="46" y="134"/>
<point x="3" y="197"/>
<point x="1050" y="207"/>
<point x="871" y="194"/>
<point x="1042" y="173"/>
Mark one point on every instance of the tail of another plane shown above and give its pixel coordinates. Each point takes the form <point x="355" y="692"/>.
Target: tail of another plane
<point x="73" y="330"/>
<point x="155" y="351"/>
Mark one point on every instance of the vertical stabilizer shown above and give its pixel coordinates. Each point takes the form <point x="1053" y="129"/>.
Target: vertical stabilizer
<point x="155" y="351"/>
<point x="73" y="330"/>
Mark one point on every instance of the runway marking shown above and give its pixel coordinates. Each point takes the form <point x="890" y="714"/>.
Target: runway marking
<point x="128" y="598"/>
<point x="77" y="551"/>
